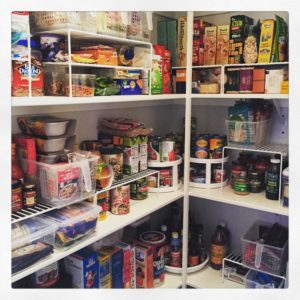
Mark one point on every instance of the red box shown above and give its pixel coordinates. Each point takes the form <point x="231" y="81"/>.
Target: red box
<point x="159" y="50"/>
<point x="126" y="263"/>
<point x="166" y="73"/>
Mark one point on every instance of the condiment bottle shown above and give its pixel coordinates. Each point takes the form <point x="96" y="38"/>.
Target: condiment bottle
<point x="218" y="247"/>
<point x="29" y="195"/>
<point x="241" y="186"/>
<point x="164" y="230"/>
<point x="237" y="170"/>
<point x="272" y="185"/>
<point x="16" y="172"/>
<point x="256" y="182"/>
<point x="193" y="258"/>
<point x="175" y="250"/>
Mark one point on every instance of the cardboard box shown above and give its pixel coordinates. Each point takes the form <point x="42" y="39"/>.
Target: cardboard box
<point x="126" y="263"/>
<point x="182" y="42"/>
<point x="258" y="85"/>
<point x="246" y="80"/>
<point x="132" y="268"/>
<point x="172" y="46"/>
<point x="84" y="268"/>
<point x="273" y="81"/>
<point x="104" y="271"/>
<point x="222" y="45"/>
<point x="144" y="265"/>
<point x="166" y="73"/>
<point x="116" y="265"/>
<point x="284" y="89"/>
<point x="130" y="86"/>
<point x="156" y="75"/>
<point x="172" y="30"/>
<point x="162" y="30"/>
<point x="266" y="41"/>
<point x="210" y="45"/>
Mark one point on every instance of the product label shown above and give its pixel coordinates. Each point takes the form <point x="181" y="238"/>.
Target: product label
<point x="193" y="260"/>
<point x="176" y="259"/>
<point x="217" y="254"/>
<point x="241" y="187"/>
<point x="272" y="183"/>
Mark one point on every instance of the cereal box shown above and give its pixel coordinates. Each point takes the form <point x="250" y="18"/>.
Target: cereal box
<point x="198" y="41"/>
<point x="182" y="42"/>
<point x="266" y="41"/>
<point x="126" y="263"/>
<point x="222" y="45"/>
<point x="104" y="271"/>
<point x="210" y="44"/>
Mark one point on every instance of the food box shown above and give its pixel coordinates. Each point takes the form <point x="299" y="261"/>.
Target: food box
<point x="222" y="45"/>
<point x="210" y="44"/>
<point x="116" y="264"/>
<point x="130" y="86"/>
<point x="130" y="155"/>
<point x="246" y="80"/>
<point x="26" y="152"/>
<point x="84" y="268"/>
<point x="258" y="85"/>
<point x="284" y="88"/>
<point x="182" y="42"/>
<point x="105" y="55"/>
<point x="239" y="27"/>
<point x="266" y="41"/>
<point x="74" y="222"/>
<point x="232" y="85"/>
<point x="172" y="46"/>
<point x="132" y="268"/>
<point x="171" y="30"/>
<point x="32" y="240"/>
<point x="104" y="271"/>
<point x="198" y="41"/>
<point x="156" y="75"/>
<point x="162" y="30"/>
<point x="144" y="265"/>
<point x="64" y="183"/>
<point x="274" y="79"/>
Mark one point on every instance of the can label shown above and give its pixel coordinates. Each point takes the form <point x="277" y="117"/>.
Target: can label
<point x="165" y="178"/>
<point x="139" y="189"/>
<point x="176" y="259"/>
<point x="193" y="260"/>
<point x="202" y="147"/>
<point x="216" y="145"/>
<point x="217" y="254"/>
<point x="120" y="202"/>
<point x="153" y="149"/>
<point x="167" y="152"/>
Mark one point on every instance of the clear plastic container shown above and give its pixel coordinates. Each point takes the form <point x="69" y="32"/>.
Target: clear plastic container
<point x="250" y="134"/>
<point x="252" y="281"/>
<point x="32" y="239"/>
<point x="112" y="23"/>
<point x="54" y="81"/>
<point x="83" y="85"/>
<point x="73" y="222"/>
<point x="139" y="26"/>
<point x="63" y="183"/>
<point x="261" y="256"/>
<point x="50" y="20"/>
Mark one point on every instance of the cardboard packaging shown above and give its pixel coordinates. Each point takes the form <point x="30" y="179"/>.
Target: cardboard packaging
<point x="130" y="155"/>
<point x="172" y="30"/>
<point x="284" y="89"/>
<point x="266" y="41"/>
<point x="104" y="271"/>
<point x="239" y="26"/>
<point x="84" y="268"/>
<point x="232" y="85"/>
<point x="258" y="85"/>
<point x="156" y="75"/>
<point x="172" y="46"/>
<point x="143" y="153"/>
<point x="182" y="42"/>
<point x="222" y="45"/>
<point x="246" y="80"/>
<point x="210" y="45"/>
<point x="144" y="265"/>
<point x="130" y="86"/>
<point x="274" y="79"/>
<point x="180" y="81"/>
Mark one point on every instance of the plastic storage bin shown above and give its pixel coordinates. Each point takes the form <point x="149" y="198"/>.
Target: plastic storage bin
<point x="250" y="134"/>
<point x="73" y="222"/>
<point x="261" y="256"/>
<point x="112" y="23"/>
<point x="32" y="240"/>
<point x="63" y="183"/>
<point x="139" y="26"/>
<point x="83" y="85"/>
<point x="258" y="280"/>
<point x="51" y="20"/>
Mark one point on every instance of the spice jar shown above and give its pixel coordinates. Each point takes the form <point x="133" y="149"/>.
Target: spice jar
<point x="16" y="196"/>
<point x="29" y="195"/>
<point x="241" y="186"/>
<point x="237" y="170"/>
<point x="256" y="182"/>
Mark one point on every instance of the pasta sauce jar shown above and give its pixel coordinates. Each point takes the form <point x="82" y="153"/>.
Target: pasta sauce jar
<point x="29" y="195"/>
<point x="16" y="196"/>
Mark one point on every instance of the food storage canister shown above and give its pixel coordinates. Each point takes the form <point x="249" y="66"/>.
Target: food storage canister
<point x="83" y="85"/>
<point x="55" y="81"/>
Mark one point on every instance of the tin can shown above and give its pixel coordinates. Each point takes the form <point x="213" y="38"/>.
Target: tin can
<point x="167" y="152"/>
<point x="216" y="145"/>
<point x="139" y="189"/>
<point x="218" y="174"/>
<point x="152" y="181"/>
<point x="120" y="200"/>
<point x="154" y="145"/>
<point x="156" y="240"/>
<point x="201" y="148"/>
<point x="114" y="157"/>
<point x="103" y="200"/>
<point x="165" y="177"/>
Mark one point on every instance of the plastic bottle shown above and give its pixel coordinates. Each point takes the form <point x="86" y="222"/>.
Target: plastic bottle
<point x="272" y="185"/>
<point x="175" y="251"/>
<point x="164" y="230"/>
<point x="218" y="248"/>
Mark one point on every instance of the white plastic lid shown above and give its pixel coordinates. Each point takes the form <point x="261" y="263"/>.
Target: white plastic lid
<point x="175" y="235"/>
<point x="163" y="228"/>
<point x="285" y="172"/>
<point x="275" y="161"/>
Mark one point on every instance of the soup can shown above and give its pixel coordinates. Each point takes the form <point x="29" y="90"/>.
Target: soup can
<point x="201" y="147"/>
<point x="167" y="152"/>
<point x="120" y="200"/>
<point x="154" y="146"/>
<point x="46" y="277"/>
<point x="216" y="144"/>
<point x="139" y="189"/>
<point x="156" y="240"/>
<point x="114" y="157"/>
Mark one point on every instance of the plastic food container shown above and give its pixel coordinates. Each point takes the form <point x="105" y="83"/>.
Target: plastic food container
<point x="112" y="23"/>
<point x="262" y="256"/>
<point x="65" y="183"/>
<point x="139" y="25"/>
<point x="55" y="81"/>
<point x="32" y="240"/>
<point x="50" y="145"/>
<point x="258" y="280"/>
<point x="49" y="20"/>
<point x="73" y="222"/>
<point x="83" y="85"/>
<point x="43" y="126"/>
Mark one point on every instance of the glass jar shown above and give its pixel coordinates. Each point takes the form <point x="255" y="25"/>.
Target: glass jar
<point x="237" y="170"/>
<point x="256" y="182"/>
<point x="241" y="186"/>
<point x="29" y="195"/>
<point x="16" y="196"/>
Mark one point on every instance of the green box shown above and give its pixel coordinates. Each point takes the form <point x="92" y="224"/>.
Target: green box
<point x="172" y="45"/>
<point x="163" y="42"/>
<point x="172" y="30"/>
<point x="162" y="30"/>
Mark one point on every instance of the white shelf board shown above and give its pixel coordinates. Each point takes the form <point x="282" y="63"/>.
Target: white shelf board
<point x="240" y="96"/>
<point x="284" y="63"/>
<point x="138" y="209"/>
<point x="253" y="200"/>
<point x="172" y="281"/>
<point x="208" y="278"/>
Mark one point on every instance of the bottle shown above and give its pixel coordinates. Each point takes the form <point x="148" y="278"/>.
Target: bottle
<point x="218" y="245"/>
<point x="164" y="230"/>
<point x="175" y="219"/>
<point x="201" y="248"/>
<point x="175" y="251"/>
<point x="16" y="172"/>
<point x="272" y="184"/>
<point x="193" y="258"/>
<point x="223" y="224"/>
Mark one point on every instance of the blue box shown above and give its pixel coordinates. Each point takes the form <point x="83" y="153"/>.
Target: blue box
<point x="130" y="86"/>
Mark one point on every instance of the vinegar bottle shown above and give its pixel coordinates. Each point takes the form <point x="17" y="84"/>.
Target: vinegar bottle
<point x="218" y="247"/>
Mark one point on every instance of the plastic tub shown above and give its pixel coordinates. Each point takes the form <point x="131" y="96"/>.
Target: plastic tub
<point x="83" y="85"/>
<point x="32" y="239"/>
<point x="55" y="81"/>
<point x="112" y="23"/>
<point x="258" y="280"/>
<point x="73" y="222"/>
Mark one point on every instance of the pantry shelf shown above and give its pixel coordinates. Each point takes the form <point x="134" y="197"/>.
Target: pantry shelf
<point x="241" y="96"/>
<point x="227" y="196"/>
<point x="138" y="209"/>
<point x="172" y="281"/>
<point x="268" y="148"/>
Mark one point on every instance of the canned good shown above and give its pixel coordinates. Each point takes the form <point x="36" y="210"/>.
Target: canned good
<point x="156" y="240"/>
<point x="165" y="177"/>
<point x="237" y="170"/>
<point x="139" y="189"/>
<point x="202" y="146"/>
<point x="120" y="200"/>
<point x="152" y="181"/>
<point x="167" y="152"/>
<point x="216" y="145"/>
<point x="16" y="196"/>
<point x="154" y="145"/>
<point x="114" y="157"/>
<point x="218" y="174"/>
<point x="103" y="200"/>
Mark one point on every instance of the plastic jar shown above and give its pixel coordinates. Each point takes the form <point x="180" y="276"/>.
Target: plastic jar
<point x="241" y="186"/>
<point x="29" y="195"/>
<point x="55" y="80"/>
<point x="256" y="182"/>
<point x="83" y="85"/>
<point x="238" y="170"/>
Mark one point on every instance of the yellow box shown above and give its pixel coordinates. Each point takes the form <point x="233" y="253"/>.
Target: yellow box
<point x="210" y="45"/>
<point x="222" y="45"/>
<point x="284" y="88"/>
<point x="182" y="42"/>
<point x="266" y="41"/>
